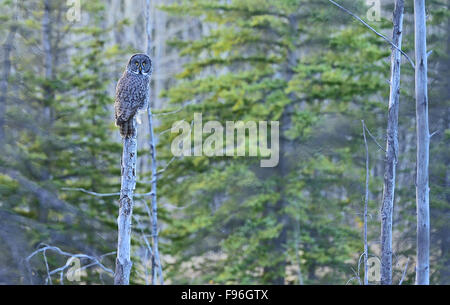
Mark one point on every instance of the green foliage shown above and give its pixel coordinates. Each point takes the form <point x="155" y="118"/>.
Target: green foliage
<point x="224" y="220"/>
<point x="271" y="63"/>
<point x="59" y="137"/>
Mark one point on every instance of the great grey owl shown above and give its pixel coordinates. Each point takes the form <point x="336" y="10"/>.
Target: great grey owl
<point x="132" y="92"/>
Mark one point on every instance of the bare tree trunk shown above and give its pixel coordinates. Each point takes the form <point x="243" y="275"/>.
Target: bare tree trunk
<point x="391" y="148"/>
<point x="128" y="184"/>
<point x="423" y="145"/>
<point x="156" y="261"/>
<point x="366" y="205"/>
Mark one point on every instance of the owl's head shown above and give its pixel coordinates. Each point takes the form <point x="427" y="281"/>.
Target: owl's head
<point x="140" y="64"/>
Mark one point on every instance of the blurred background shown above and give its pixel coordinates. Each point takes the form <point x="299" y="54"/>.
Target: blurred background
<point x="222" y="220"/>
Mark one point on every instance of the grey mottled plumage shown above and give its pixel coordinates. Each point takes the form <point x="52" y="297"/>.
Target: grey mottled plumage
<point x="132" y="92"/>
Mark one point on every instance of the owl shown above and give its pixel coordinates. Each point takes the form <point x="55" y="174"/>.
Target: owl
<point x="132" y="92"/>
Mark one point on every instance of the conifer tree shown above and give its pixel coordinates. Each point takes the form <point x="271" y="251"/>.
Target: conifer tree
<point x="285" y="61"/>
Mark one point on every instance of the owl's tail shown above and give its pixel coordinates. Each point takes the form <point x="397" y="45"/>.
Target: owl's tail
<point x="126" y="129"/>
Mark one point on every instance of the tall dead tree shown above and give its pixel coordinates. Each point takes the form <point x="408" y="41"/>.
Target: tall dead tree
<point x="128" y="184"/>
<point x="366" y="207"/>
<point x="423" y="145"/>
<point x="392" y="134"/>
<point x="156" y="260"/>
<point x="391" y="148"/>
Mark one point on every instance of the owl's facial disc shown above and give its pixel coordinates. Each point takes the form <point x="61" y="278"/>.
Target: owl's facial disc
<point x="140" y="64"/>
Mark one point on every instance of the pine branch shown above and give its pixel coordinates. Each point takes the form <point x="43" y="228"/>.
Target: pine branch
<point x="373" y="30"/>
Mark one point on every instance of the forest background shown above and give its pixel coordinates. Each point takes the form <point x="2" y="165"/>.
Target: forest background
<point x="222" y="220"/>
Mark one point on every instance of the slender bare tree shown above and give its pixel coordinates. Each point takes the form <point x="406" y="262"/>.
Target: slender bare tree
<point x="391" y="148"/>
<point x="423" y="145"/>
<point x="128" y="184"/>
<point x="156" y="261"/>
<point x="366" y="206"/>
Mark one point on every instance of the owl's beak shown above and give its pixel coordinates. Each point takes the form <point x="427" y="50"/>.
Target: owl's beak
<point x="140" y="69"/>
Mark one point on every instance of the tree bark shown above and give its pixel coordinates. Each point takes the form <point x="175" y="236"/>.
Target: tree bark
<point x="128" y="184"/>
<point x="366" y="206"/>
<point x="423" y="144"/>
<point x="391" y="148"/>
<point x="156" y="261"/>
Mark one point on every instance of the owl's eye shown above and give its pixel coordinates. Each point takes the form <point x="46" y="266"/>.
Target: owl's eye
<point x="143" y="63"/>
<point x="137" y="64"/>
